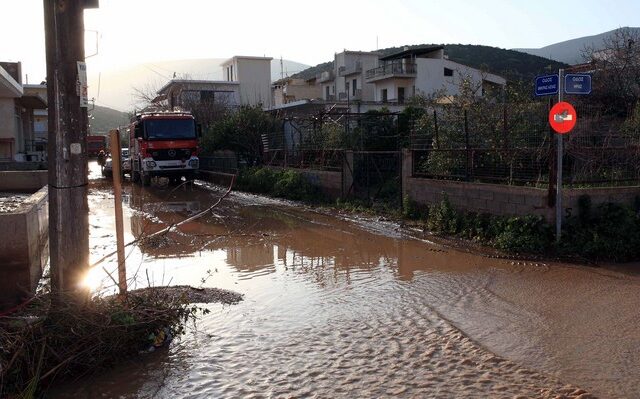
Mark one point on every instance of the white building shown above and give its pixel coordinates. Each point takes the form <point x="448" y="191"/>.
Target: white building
<point x="253" y="74"/>
<point x="290" y="90"/>
<point x="346" y="81"/>
<point x="424" y="71"/>
<point x="368" y="79"/>
<point x="17" y="105"/>
<point x="185" y="93"/>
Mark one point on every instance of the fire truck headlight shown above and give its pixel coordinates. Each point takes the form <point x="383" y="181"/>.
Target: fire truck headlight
<point x="194" y="163"/>
<point x="151" y="164"/>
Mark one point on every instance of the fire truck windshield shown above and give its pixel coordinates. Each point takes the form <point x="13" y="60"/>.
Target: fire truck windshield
<point x="169" y="129"/>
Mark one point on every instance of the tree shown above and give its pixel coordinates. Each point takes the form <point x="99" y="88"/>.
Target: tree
<point x="240" y="132"/>
<point x="616" y="77"/>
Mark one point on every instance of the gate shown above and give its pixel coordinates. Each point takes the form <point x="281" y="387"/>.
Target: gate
<point x="377" y="176"/>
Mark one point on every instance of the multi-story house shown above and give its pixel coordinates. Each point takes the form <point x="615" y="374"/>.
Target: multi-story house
<point x="246" y="81"/>
<point x="424" y="71"/>
<point x="368" y="79"/>
<point x="253" y="74"/>
<point x="17" y="105"/>
<point x="289" y="90"/>
<point x="185" y="93"/>
<point x="346" y="81"/>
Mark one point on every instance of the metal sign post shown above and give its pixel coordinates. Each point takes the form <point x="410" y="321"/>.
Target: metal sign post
<point x="563" y="120"/>
<point x="559" y="165"/>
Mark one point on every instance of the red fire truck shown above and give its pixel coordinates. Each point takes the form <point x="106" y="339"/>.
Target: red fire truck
<point x="163" y="144"/>
<point x="95" y="144"/>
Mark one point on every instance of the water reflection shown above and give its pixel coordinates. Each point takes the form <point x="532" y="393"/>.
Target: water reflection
<point x="330" y="304"/>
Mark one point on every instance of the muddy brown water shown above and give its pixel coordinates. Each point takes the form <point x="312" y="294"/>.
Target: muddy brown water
<point x="339" y="307"/>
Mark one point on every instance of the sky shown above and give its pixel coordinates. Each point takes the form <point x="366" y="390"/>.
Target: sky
<point x="136" y="31"/>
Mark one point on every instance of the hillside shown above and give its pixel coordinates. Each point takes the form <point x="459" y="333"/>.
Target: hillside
<point x="115" y="88"/>
<point x="511" y="64"/>
<point x="103" y="119"/>
<point x="570" y="51"/>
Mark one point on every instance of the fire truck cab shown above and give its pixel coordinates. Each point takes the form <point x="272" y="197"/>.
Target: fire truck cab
<point x="163" y="144"/>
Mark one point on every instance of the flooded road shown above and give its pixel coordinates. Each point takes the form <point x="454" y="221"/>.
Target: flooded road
<point x="352" y="308"/>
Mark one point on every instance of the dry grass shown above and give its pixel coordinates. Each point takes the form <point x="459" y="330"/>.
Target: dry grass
<point x="43" y="343"/>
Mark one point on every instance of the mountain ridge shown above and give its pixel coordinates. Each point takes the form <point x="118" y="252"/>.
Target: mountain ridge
<point x="570" y="51"/>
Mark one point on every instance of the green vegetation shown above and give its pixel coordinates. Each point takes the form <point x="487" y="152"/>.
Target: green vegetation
<point x="287" y="183"/>
<point x="610" y="232"/>
<point x="103" y="119"/>
<point x="241" y="132"/>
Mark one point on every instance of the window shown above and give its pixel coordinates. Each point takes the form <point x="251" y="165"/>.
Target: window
<point x="400" y="95"/>
<point x="354" y="86"/>
<point x="448" y="72"/>
<point x="384" y="95"/>
<point x="326" y="90"/>
<point x="207" y="96"/>
<point x="169" y="129"/>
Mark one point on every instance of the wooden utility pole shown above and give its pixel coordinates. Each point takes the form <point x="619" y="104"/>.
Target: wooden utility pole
<point x="116" y="164"/>
<point x="67" y="152"/>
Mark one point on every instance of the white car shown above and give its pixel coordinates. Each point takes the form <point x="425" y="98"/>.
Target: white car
<point x="107" y="169"/>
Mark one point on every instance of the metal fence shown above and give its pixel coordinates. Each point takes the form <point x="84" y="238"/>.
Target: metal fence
<point x="513" y="144"/>
<point x="225" y="163"/>
<point x="323" y="159"/>
<point x="493" y="143"/>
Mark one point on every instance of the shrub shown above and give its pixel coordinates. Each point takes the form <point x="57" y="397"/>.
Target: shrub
<point x="288" y="184"/>
<point x="523" y="234"/>
<point x="443" y="218"/>
<point x="292" y="185"/>
<point x="612" y="232"/>
<point x="411" y="210"/>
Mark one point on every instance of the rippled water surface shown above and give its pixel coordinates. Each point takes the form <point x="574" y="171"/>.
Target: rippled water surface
<point x="351" y="308"/>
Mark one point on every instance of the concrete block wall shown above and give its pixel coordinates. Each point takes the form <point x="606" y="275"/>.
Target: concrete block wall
<point x="24" y="249"/>
<point x="478" y="197"/>
<point x="329" y="182"/>
<point x="619" y="195"/>
<point x="23" y="180"/>
<point x="503" y="200"/>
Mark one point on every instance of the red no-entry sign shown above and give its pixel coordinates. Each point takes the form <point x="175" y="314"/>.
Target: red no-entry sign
<point x="562" y="117"/>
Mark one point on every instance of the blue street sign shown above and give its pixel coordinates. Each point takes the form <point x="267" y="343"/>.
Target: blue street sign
<point x="546" y="85"/>
<point x="577" y="83"/>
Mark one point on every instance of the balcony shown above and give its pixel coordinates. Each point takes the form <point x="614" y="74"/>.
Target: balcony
<point x="326" y="76"/>
<point x="344" y="96"/>
<point x="391" y="70"/>
<point x="350" y="70"/>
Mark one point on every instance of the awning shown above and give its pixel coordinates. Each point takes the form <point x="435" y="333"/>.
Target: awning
<point x="33" y="101"/>
<point x="9" y="88"/>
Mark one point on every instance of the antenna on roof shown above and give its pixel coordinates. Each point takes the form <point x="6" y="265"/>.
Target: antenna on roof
<point x="281" y="69"/>
<point x="377" y="48"/>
